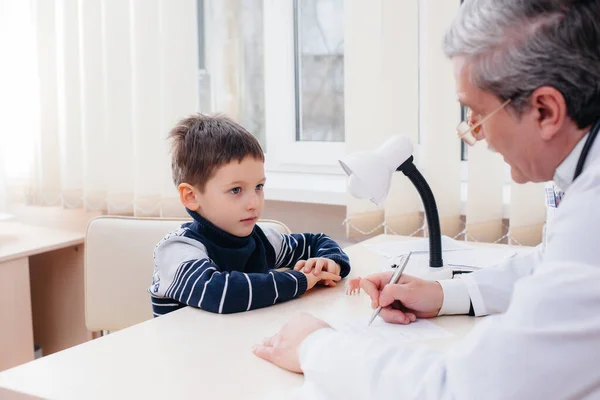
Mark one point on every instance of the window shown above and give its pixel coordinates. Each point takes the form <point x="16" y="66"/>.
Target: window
<point x="277" y="67"/>
<point x="252" y="81"/>
<point x="319" y="69"/>
<point x="303" y="76"/>
<point x="204" y="100"/>
<point x="231" y="63"/>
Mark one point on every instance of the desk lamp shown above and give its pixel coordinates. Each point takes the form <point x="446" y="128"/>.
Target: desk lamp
<point x="370" y="174"/>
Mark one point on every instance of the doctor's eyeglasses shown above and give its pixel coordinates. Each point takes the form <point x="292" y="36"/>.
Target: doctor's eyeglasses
<point x="468" y="129"/>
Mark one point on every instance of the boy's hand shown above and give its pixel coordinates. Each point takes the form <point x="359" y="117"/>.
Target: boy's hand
<point x="312" y="279"/>
<point x="317" y="265"/>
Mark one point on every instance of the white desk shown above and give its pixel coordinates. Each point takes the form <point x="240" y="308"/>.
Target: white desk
<point x="41" y="290"/>
<point x="195" y="354"/>
<point x="6" y="394"/>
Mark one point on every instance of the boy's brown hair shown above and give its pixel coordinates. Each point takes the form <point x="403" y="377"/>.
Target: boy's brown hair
<point x="202" y="143"/>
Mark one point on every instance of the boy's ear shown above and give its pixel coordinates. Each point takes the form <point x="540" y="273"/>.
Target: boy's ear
<point x="187" y="195"/>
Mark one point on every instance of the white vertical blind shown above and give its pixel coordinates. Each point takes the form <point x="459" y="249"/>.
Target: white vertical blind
<point x="439" y="112"/>
<point x="400" y="84"/>
<point x="527" y="213"/>
<point x="363" y="90"/>
<point x="485" y="206"/>
<point x="398" y="81"/>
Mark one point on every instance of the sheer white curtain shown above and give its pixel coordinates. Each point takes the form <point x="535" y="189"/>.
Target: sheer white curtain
<point x="398" y="81"/>
<point x="93" y="88"/>
<point x="19" y="97"/>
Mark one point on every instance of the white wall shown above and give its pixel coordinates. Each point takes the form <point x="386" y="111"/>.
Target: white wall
<point x="308" y="217"/>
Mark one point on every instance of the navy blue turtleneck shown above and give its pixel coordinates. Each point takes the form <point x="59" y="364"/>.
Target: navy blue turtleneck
<point x="201" y="265"/>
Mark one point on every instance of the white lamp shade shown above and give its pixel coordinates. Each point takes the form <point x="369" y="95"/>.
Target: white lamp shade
<point x="370" y="172"/>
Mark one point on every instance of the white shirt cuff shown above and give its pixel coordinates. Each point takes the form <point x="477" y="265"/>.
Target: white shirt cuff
<point x="456" y="297"/>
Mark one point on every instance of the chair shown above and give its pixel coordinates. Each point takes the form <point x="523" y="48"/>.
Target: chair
<point x="119" y="265"/>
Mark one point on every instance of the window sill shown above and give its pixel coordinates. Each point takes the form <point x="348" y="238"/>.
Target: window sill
<point x="306" y="187"/>
<point x="330" y="188"/>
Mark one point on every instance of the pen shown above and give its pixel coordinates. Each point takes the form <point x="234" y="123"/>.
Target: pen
<point x="395" y="278"/>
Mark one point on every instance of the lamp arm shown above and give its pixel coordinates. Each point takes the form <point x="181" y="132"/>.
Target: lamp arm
<point x="409" y="169"/>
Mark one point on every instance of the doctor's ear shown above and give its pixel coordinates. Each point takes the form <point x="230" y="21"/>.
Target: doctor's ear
<point x="188" y="195"/>
<point x="550" y="111"/>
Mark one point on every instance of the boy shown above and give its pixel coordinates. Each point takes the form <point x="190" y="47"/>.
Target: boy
<point x="223" y="262"/>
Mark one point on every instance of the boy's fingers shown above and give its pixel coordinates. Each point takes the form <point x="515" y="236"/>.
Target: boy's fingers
<point x="329" y="276"/>
<point x="319" y="266"/>
<point x="310" y="263"/>
<point x="299" y="265"/>
<point x="330" y="266"/>
<point x="334" y="267"/>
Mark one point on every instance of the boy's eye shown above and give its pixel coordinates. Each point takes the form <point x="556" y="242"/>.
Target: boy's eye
<point x="236" y="190"/>
<point x="260" y="187"/>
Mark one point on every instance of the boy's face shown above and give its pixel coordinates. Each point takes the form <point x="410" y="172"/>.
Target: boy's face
<point x="233" y="198"/>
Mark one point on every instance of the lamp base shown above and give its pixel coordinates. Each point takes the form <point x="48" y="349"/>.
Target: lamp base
<point x="438" y="273"/>
<point x="432" y="274"/>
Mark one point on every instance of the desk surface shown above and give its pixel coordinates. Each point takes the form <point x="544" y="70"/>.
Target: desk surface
<point x="6" y="394"/>
<point x="19" y="240"/>
<point x="193" y="353"/>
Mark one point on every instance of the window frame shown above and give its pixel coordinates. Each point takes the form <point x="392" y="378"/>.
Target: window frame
<point x="283" y="151"/>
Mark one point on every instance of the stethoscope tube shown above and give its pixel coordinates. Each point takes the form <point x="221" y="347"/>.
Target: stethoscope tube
<point x="586" y="149"/>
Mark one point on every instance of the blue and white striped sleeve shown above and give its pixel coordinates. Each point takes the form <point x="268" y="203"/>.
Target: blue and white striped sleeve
<point x="289" y="249"/>
<point x="189" y="277"/>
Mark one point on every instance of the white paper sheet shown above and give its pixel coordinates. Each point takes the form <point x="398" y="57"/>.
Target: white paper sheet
<point x="397" y="248"/>
<point x="421" y="329"/>
<point x="478" y="258"/>
<point x="456" y="254"/>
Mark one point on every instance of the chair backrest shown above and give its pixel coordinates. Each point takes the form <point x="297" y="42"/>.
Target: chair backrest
<point x="119" y="265"/>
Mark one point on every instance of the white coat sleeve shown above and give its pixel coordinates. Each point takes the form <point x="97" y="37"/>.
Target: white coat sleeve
<point x="545" y="346"/>
<point x="488" y="290"/>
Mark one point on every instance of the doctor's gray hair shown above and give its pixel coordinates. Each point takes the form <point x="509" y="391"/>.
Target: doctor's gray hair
<point x="517" y="46"/>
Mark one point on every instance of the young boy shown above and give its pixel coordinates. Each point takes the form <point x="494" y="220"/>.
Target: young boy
<point x="223" y="262"/>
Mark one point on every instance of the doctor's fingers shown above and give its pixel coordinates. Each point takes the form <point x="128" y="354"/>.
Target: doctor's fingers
<point x="372" y="284"/>
<point x="270" y="341"/>
<point x="396" y="316"/>
<point x="371" y="290"/>
<point x="399" y="291"/>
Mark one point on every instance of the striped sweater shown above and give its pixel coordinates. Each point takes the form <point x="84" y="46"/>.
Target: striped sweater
<point x="202" y="266"/>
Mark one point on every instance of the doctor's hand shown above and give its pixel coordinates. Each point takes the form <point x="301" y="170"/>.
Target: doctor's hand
<point x="405" y="301"/>
<point x="282" y="348"/>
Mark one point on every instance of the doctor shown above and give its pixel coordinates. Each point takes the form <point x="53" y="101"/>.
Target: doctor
<point x="530" y="73"/>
